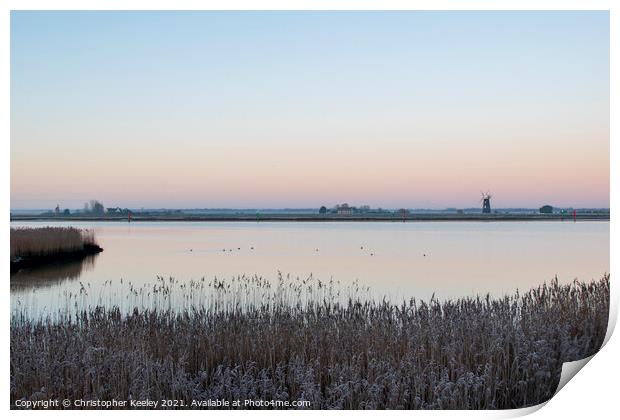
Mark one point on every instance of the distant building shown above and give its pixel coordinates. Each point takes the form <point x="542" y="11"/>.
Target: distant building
<point x="486" y="203"/>
<point x="113" y="210"/>
<point x="546" y="209"/>
<point x="344" y="209"/>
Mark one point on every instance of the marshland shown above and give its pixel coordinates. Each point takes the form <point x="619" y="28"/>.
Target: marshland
<point x="310" y="341"/>
<point x="372" y="315"/>
<point x="292" y="210"/>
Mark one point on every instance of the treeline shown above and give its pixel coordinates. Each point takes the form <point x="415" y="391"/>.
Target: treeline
<point x="91" y="208"/>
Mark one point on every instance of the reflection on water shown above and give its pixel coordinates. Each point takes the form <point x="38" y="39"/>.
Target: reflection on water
<point x="396" y="260"/>
<point x="49" y="275"/>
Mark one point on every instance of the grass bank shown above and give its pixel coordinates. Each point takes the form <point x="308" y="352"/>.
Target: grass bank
<point x="300" y="342"/>
<point x="393" y="217"/>
<point x="35" y="246"/>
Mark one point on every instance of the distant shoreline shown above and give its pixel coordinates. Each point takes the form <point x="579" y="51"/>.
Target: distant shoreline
<point x="324" y="218"/>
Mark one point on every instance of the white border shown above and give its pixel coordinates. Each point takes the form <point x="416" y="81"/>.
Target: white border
<point x="592" y="394"/>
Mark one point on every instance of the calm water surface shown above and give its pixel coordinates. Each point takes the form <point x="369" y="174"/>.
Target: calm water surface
<point x="396" y="260"/>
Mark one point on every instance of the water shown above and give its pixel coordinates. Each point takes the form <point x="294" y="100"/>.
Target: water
<point x="396" y="260"/>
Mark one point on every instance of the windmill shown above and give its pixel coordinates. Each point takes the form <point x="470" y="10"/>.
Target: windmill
<point x="486" y="202"/>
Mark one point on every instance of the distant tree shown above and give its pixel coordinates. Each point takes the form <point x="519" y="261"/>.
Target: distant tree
<point x="97" y="207"/>
<point x="66" y="212"/>
<point x="546" y="209"/>
<point x="323" y="210"/>
<point x="94" y="207"/>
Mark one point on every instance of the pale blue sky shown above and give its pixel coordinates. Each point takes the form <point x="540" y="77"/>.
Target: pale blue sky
<point x="298" y="109"/>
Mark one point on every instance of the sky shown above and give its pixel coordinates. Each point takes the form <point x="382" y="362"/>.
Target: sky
<point x="303" y="109"/>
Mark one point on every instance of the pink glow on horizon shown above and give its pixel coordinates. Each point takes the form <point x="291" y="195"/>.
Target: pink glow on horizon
<point x="387" y="175"/>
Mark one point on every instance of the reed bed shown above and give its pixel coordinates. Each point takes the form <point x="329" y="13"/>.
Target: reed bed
<point x="38" y="242"/>
<point x="309" y="341"/>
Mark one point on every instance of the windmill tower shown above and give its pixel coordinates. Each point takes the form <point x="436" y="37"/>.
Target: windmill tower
<point x="486" y="202"/>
